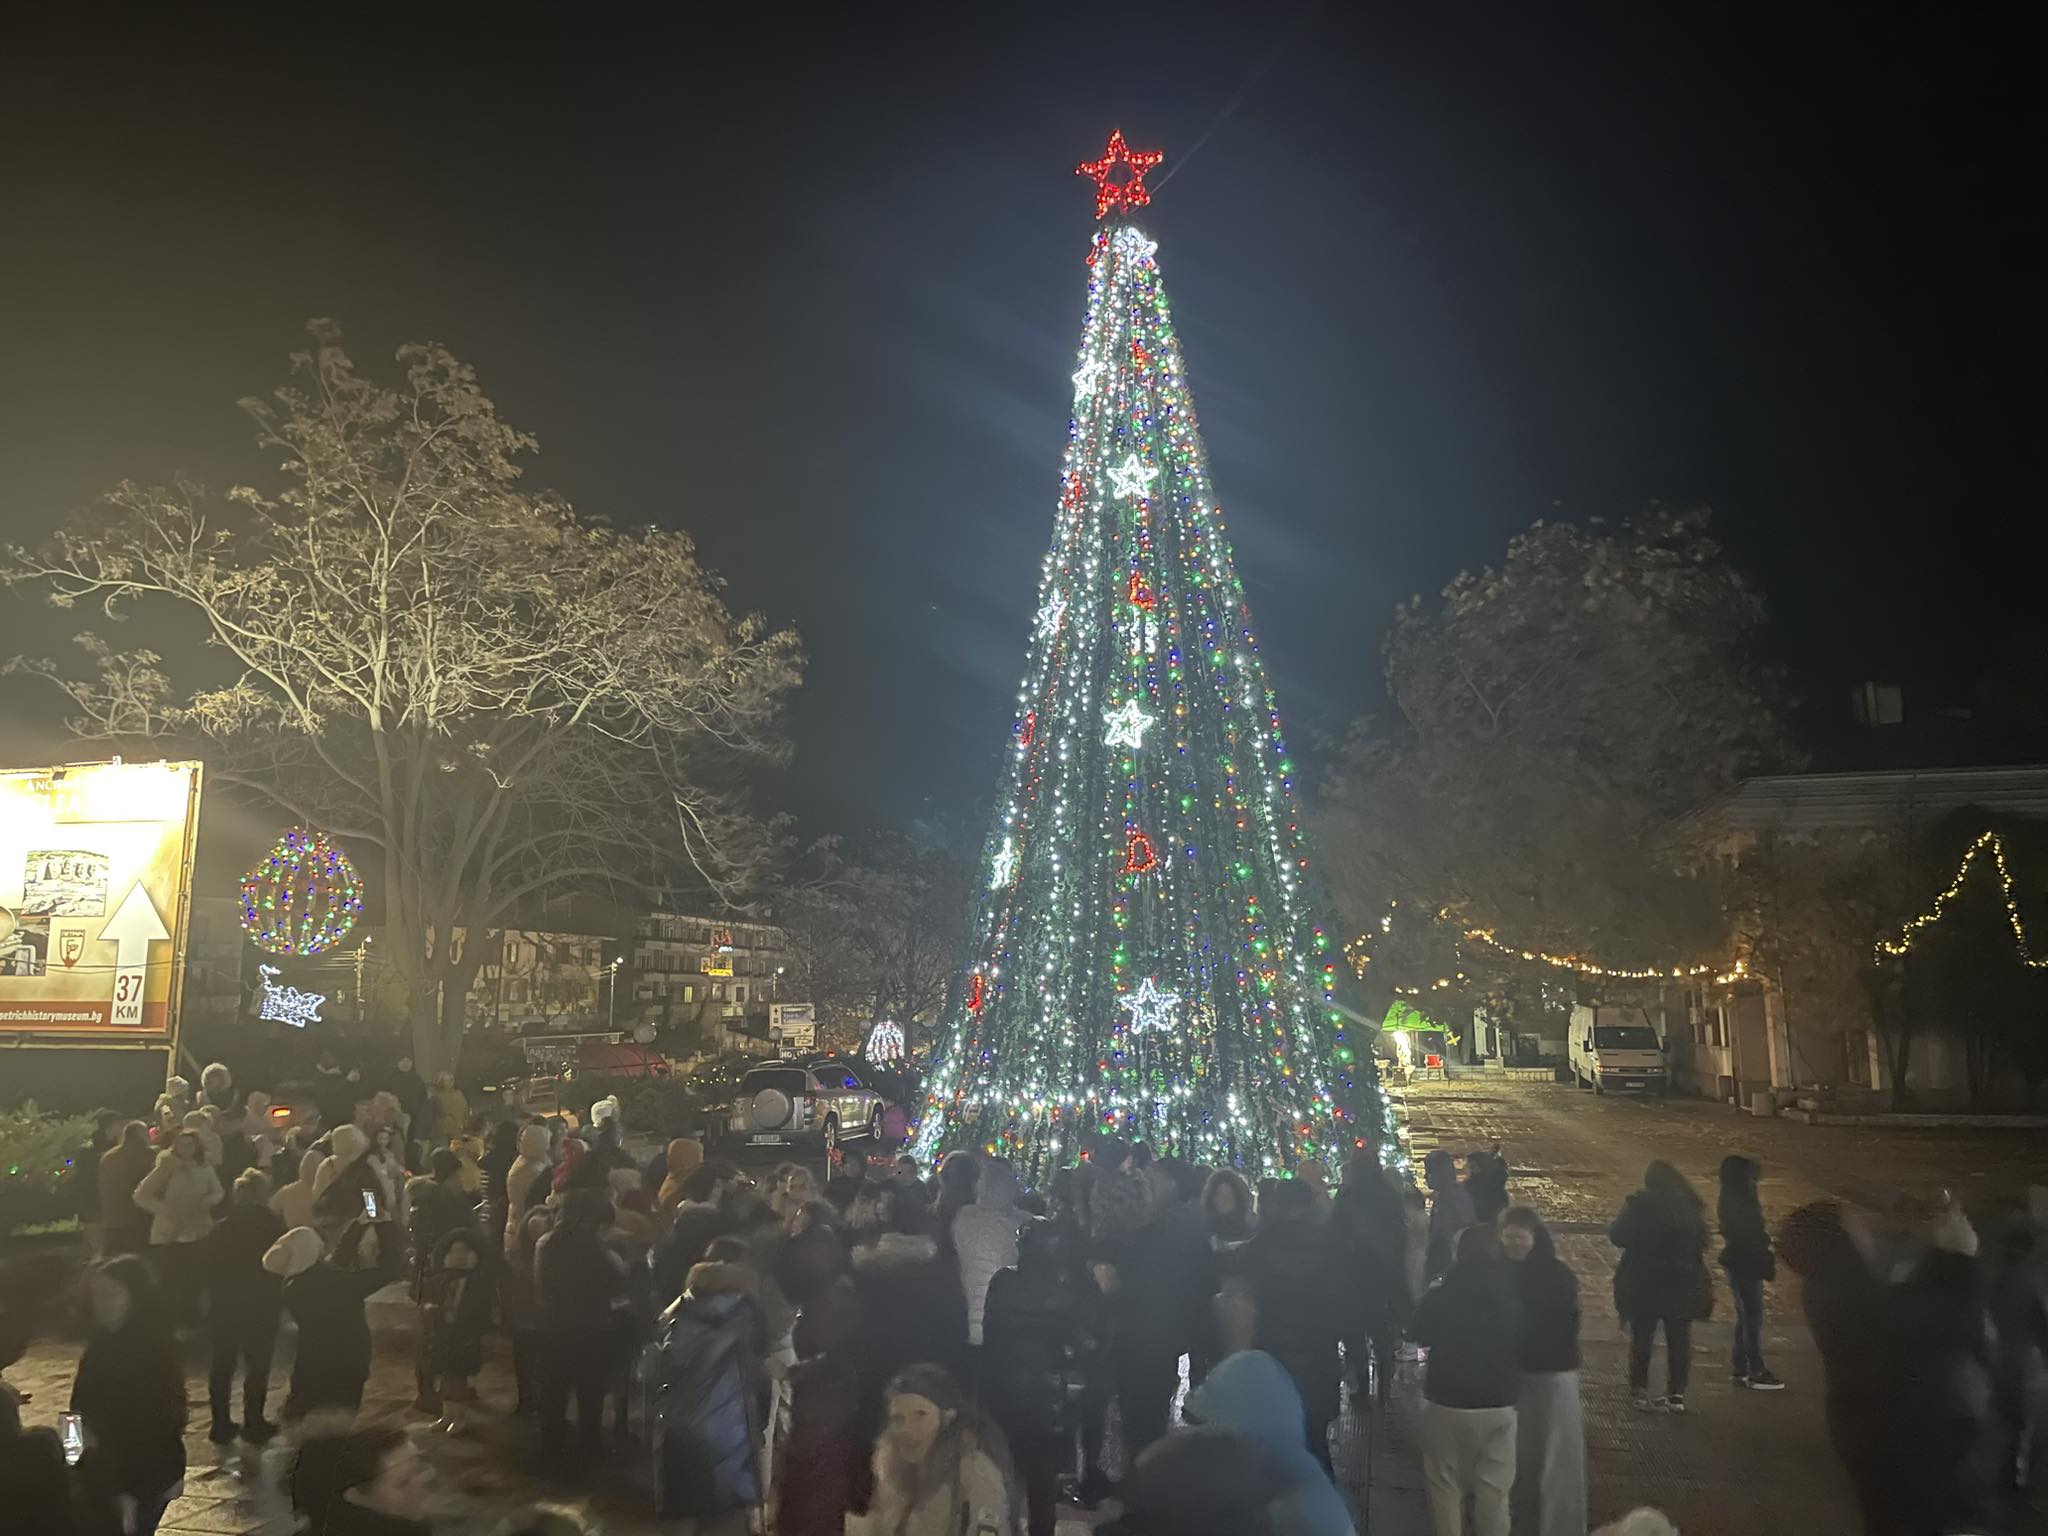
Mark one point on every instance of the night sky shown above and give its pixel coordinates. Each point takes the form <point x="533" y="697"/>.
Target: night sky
<point x="813" y="294"/>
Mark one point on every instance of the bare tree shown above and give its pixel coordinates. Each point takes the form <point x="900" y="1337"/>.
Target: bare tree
<point x="502" y="698"/>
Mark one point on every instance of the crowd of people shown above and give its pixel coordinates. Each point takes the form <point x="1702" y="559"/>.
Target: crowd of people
<point x="891" y="1354"/>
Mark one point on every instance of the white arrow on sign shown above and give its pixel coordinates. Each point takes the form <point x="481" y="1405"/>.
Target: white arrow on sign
<point x="131" y="931"/>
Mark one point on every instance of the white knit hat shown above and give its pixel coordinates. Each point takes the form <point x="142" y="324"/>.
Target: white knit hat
<point x="294" y="1253"/>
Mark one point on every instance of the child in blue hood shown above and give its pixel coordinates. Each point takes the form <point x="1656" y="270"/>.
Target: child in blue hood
<point x="1251" y="1395"/>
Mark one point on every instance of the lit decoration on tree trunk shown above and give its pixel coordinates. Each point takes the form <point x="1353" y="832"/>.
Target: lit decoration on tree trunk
<point x="1193" y="1006"/>
<point x="885" y="1044"/>
<point x="302" y="897"/>
<point x="286" y="1005"/>
<point x="1120" y="192"/>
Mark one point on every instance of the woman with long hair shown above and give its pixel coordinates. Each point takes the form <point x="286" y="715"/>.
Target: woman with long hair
<point x="1661" y="1280"/>
<point x="1549" y="1497"/>
<point x="130" y="1392"/>
<point x="939" y="1470"/>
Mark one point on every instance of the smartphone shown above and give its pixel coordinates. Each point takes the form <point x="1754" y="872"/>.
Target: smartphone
<point x="370" y="1205"/>
<point x="71" y="1429"/>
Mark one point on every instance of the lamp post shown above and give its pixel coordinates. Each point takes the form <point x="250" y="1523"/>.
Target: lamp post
<point x="611" y="1017"/>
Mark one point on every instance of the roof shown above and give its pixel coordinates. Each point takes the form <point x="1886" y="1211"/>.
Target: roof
<point x="1801" y="802"/>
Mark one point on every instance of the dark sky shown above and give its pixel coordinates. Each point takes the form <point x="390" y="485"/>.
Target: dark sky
<point x="812" y="291"/>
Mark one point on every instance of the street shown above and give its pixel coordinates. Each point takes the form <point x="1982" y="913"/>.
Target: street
<point x="1738" y="1461"/>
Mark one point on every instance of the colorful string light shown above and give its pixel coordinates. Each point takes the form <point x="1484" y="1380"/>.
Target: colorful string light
<point x="303" y="898"/>
<point x="1146" y="960"/>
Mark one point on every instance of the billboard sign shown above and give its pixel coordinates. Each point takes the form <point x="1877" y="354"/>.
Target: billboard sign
<point x="95" y="876"/>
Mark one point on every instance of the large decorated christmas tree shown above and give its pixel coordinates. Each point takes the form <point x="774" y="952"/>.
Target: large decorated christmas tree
<point x="1145" y="959"/>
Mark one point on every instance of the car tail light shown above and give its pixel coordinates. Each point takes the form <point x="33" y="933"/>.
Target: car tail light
<point x="280" y="1111"/>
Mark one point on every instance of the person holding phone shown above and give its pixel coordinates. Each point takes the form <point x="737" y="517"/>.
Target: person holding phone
<point x="129" y="1395"/>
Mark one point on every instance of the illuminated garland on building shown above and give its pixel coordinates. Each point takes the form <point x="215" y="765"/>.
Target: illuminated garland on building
<point x="1146" y="960"/>
<point x="303" y="898"/>
<point x="1904" y="942"/>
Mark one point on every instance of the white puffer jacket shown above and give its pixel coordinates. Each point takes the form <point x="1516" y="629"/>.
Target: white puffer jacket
<point x="520" y="1180"/>
<point x="985" y="1239"/>
<point x="179" y="1197"/>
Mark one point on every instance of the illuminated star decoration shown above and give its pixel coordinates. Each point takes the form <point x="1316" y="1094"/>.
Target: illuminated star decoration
<point x="1132" y="245"/>
<point x="1150" y="1008"/>
<point x="1132" y="477"/>
<point x="1127" y="724"/>
<point x="1004" y="866"/>
<point x="1085" y="377"/>
<point x="1128" y="193"/>
<point x="1051" y="613"/>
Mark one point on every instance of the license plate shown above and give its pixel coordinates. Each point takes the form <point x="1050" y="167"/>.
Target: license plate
<point x="769" y="1138"/>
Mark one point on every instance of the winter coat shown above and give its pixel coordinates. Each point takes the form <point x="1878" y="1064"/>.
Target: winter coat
<point x="522" y="1178"/>
<point x="684" y="1156"/>
<point x="451" y="1112"/>
<point x="581" y="1287"/>
<point x="978" y="1496"/>
<point x="294" y="1202"/>
<point x="339" y="1186"/>
<point x="911" y="1312"/>
<point x="470" y="1149"/>
<point x="1486" y="1184"/>
<point x="433" y="1210"/>
<point x="1027" y="1330"/>
<point x="1450" y="1212"/>
<point x="1663" y="1269"/>
<point x="682" y="1247"/>
<point x="179" y="1197"/>
<point x="1119" y="1206"/>
<point x="130" y="1389"/>
<point x="121" y="1169"/>
<point x="1252" y="1395"/>
<point x="1471" y="1322"/>
<point x="1307" y="1304"/>
<point x="1549" y="1295"/>
<point x="822" y="1458"/>
<point x="1745" y="1244"/>
<point x="237" y="1283"/>
<point x="327" y="1303"/>
<point x="985" y="1242"/>
<point x="704" y="1390"/>
<point x="455" y="1309"/>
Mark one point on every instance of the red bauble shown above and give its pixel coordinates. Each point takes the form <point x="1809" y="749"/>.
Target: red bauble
<point x="1129" y="192"/>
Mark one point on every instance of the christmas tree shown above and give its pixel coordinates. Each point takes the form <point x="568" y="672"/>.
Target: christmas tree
<point x="1145" y="960"/>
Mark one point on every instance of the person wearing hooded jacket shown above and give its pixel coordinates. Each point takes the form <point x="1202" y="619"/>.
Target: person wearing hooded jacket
<point x="684" y="1155"/>
<point x="1747" y="1260"/>
<point x="325" y="1297"/>
<point x="582" y="1291"/>
<point x="124" y="1226"/>
<point x="294" y="1201"/>
<point x="1549" y="1498"/>
<point x="343" y="1182"/>
<point x="1253" y="1396"/>
<point x="1308" y="1303"/>
<point x="1661" y="1280"/>
<point x="524" y="1186"/>
<point x="704" y="1391"/>
<point x="180" y="1194"/>
<point x="985" y="1238"/>
<point x="1471" y="1323"/>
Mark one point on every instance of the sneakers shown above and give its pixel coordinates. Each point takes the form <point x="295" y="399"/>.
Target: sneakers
<point x="1675" y="1403"/>
<point x="1764" y="1381"/>
<point x="1642" y="1402"/>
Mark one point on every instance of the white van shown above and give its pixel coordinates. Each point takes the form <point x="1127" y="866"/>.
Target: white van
<point x="1616" y="1048"/>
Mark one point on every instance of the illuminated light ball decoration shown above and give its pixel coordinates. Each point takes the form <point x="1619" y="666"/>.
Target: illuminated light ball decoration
<point x="885" y="1044"/>
<point x="1146" y="959"/>
<point x="302" y="897"/>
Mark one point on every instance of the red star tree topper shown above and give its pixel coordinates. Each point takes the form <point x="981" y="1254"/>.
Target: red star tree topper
<point x="1129" y="191"/>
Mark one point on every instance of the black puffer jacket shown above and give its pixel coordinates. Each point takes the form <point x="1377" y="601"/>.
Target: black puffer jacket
<point x="1745" y="1244"/>
<point x="1663" y="1269"/>
<point x="1549" y="1294"/>
<point x="236" y="1280"/>
<point x="333" y="1361"/>
<point x="1028" y="1329"/>
<point x="1306" y="1305"/>
<point x="1472" y="1323"/>
<point x="704" y="1387"/>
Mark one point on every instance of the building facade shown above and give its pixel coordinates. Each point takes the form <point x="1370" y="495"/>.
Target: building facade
<point x="711" y="980"/>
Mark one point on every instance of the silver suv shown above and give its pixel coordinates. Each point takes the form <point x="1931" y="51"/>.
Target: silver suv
<point x="820" y="1103"/>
